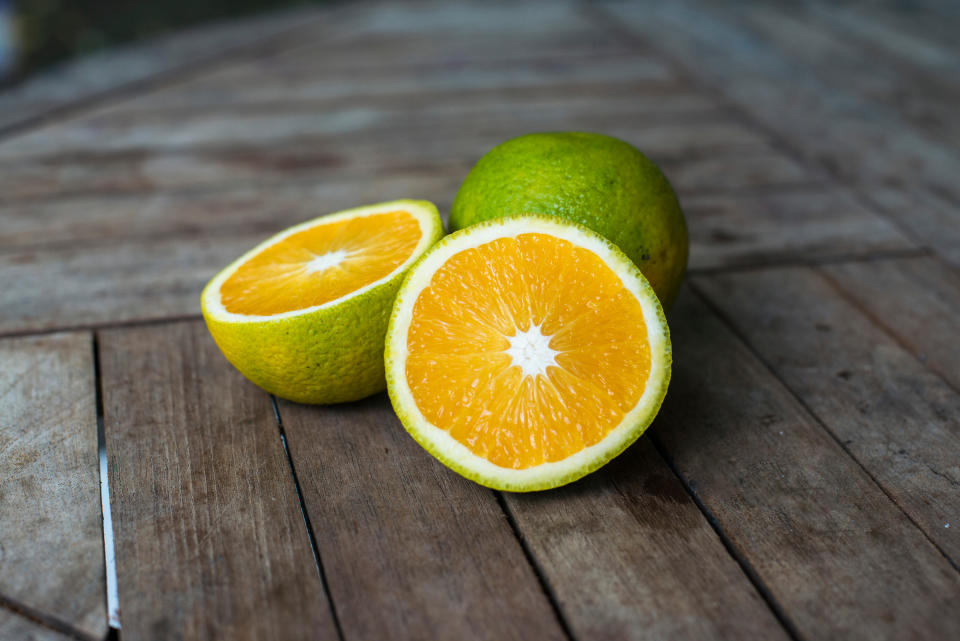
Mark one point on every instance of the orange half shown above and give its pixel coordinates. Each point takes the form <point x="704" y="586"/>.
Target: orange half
<point x="304" y="314"/>
<point x="327" y="260"/>
<point x="526" y="352"/>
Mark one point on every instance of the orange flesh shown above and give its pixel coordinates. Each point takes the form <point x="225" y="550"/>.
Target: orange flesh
<point x="287" y="276"/>
<point x="464" y="381"/>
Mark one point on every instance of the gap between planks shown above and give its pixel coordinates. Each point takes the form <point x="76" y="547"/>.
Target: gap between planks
<point x="535" y="565"/>
<point x="884" y="327"/>
<point x="745" y="566"/>
<point x="728" y="322"/>
<point x="311" y="535"/>
<point x="109" y="549"/>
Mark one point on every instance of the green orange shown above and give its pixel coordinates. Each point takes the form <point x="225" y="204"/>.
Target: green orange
<point x="598" y="181"/>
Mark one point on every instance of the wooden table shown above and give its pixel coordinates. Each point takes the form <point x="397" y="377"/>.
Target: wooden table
<point x="801" y="482"/>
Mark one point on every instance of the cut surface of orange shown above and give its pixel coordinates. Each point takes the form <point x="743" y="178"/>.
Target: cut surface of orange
<point x="526" y="352"/>
<point x="321" y="263"/>
<point x="304" y="313"/>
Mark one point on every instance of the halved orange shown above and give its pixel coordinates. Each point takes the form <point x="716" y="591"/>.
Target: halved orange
<point x="303" y="314"/>
<point x="526" y="352"/>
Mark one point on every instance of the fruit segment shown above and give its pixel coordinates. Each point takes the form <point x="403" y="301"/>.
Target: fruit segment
<point x="527" y="349"/>
<point x="321" y="264"/>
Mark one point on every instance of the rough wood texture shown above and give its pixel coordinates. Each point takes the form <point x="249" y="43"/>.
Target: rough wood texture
<point x="410" y="550"/>
<point x="211" y="212"/>
<point x="630" y="556"/>
<point x="785" y="224"/>
<point x="838" y="556"/>
<point x="132" y="281"/>
<point x="209" y="536"/>
<point x="896" y="417"/>
<point x="17" y="628"/>
<point x="806" y="134"/>
<point x="51" y="546"/>
<point x="917" y="300"/>
<point x="92" y="76"/>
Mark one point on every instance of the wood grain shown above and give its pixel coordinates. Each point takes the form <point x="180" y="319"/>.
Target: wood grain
<point x="722" y="170"/>
<point x="214" y="211"/>
<point x="838" y="556"/>
<point x="900" y="421"/>
<point x="410" y="549"/>
<point x="210" y="541"/>
<point x="51" y="545"/>
<point x="17" y="628"/>
<point x="126" y="282"/>
<point x="94" y="75"/>
<point x="783" y="224"/>
<point x="935" y="222"/>
<point x="103" y="174"/>
<point x="917" y="300"/>
<point x="630" y="556"/>
<point x="366" y="128"/>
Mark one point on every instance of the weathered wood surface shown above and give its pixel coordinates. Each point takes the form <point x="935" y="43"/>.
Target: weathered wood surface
<point x="785" y="224"/>
<point x="51" y="552"/>
<point x="95" y="76"/>
<point x="917" y="300"/>
<point x="210" y="541"/>
<point x="409" y="550"/>
<point x="840" y="559"/>
<point x="897" y="418"/>
<point x="14" y="626"/>
<point x="810" y="474"/>
<point x="629" y="556"/>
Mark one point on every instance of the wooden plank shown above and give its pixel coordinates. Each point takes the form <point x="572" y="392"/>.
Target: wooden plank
<point x="629" y="556"/>
<point x="917" y="300"/>
<point x="730" y="170"/>
<point x="213" y="212"/>
<point x="209" y="537"/>
<point x="366" y="126"/>
<point x="103" y="173"/>
<point x="13" y="626"/>
<point x="307" y="78"/>
<point x="921" y="32"/>
<point x="839" y="53"/>
<point x="268" y="199"/>
<point x="25" y="185"/>
<point x="51" y="545"/>
<point x="410" y="549"/>
<point x="835" y="553"/>
<point x="797" y="224"/>
<point x="97" y="74"/>
<point x="133" y="281"/>
<point x="934" y="219"/>
<point x="896" y="418"/>
<point x="471" y="36"/>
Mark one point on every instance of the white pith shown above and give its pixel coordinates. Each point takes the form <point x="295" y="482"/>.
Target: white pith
<point x="213" y="304"/>
<point x="457" y="455"/>
<point x="530" y="351"/>
<point x="323" y="262"/>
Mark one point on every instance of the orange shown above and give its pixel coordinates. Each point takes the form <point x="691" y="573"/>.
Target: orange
<point x="526" y="352"/>
<point x="303" y="315"/>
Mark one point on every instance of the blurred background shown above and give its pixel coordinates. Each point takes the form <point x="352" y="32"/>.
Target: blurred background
<point x="35" y="34"/>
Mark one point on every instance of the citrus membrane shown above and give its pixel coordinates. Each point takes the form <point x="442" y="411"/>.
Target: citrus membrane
<point x="526" y="352"/>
